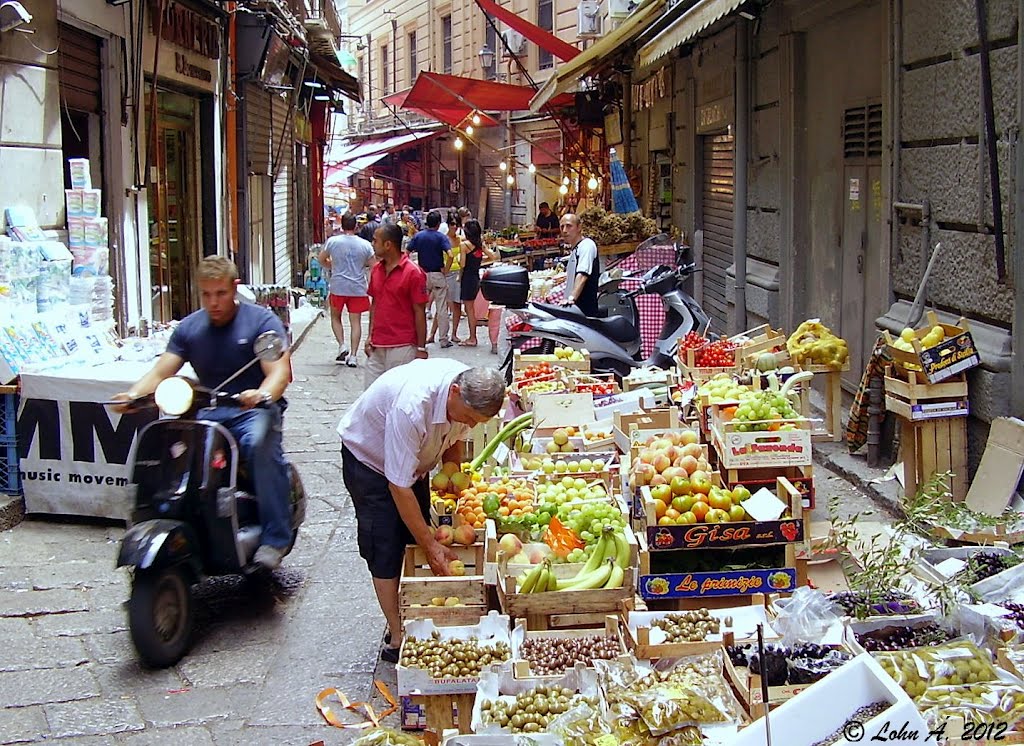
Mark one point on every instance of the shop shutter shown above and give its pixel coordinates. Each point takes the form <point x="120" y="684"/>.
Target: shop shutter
<point x="716" y="214"/>
<point x="282" y="149"/>
<point x="257" y="131"/>
<point x="79" y="73"/>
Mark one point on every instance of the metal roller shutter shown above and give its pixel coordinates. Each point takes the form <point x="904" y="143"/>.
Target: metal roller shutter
<point x="257" y="113"/>
<point x="716" y="214"/>
<point x="78" y="64"/>
<point x="282" y="150"/>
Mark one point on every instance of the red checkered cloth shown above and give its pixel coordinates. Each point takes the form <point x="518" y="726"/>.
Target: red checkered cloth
<point x="652" y="312"/>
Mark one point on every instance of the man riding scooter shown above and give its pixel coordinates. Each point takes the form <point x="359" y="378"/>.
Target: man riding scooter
<point x="218" y="340"/>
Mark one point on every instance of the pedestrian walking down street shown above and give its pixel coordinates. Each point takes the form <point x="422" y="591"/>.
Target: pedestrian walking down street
<point x="431" y="247"/>
<point x="471" y="255"/>
<point x="398" y="302"/>
<point x="399" y="429"/>
<point x="371" y="225"/>
<point x="349" y="258"/>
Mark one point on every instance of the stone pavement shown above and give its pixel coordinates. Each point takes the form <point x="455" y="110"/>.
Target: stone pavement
<point x="68" y="672"/>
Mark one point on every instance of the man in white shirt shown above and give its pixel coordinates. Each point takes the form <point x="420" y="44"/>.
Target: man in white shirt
<point x="583" y="268"/>
<point x="401" y="427"/>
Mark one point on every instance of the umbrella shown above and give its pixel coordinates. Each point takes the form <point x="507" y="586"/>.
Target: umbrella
<point x="623" y="199"/>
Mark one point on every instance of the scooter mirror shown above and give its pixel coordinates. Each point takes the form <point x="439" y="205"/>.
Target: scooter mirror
<point x="268" y="347"/>
<point x="174" y="396"/>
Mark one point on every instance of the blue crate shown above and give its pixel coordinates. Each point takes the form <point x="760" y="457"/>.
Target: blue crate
<point x="10" y="473"/>
<point x="9" y="421"/>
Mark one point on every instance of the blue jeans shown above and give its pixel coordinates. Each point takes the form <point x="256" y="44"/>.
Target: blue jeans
<point x="258" y="432"/>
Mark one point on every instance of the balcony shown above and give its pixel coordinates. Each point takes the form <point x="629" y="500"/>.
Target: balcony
<point x="320" y="18"/>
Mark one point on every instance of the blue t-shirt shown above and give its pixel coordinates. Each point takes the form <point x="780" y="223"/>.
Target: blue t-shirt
<point x="430" y="247"/>
<point x="216" y="352"/>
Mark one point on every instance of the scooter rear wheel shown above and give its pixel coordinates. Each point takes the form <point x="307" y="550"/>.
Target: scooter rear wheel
<point x="160" y="615"/>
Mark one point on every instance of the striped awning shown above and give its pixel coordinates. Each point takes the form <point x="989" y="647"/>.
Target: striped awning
<point x="696" y="18"/>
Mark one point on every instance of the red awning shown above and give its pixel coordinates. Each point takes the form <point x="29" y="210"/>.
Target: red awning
<point x="542" y="38"/>
<point x="453" y="99"/>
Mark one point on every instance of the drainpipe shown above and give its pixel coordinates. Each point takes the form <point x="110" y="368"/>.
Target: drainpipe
<point x="1017" y="364"/>
<point x="742" y="143"/>
<point x="231" y="144"/>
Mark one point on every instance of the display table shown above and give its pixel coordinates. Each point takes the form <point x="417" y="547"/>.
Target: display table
<point x="74" y="450"/>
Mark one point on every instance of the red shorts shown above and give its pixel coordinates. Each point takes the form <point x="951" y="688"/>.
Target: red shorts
<point x="355" y="303"/>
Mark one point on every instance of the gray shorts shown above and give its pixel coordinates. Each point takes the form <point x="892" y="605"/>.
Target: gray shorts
<point x="454" y="291"/>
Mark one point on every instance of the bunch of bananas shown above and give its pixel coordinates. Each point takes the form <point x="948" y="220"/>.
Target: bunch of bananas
<point x="606" y="568"/>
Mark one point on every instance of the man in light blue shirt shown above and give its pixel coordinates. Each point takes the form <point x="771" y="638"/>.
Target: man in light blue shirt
<point x="348" y="257"/>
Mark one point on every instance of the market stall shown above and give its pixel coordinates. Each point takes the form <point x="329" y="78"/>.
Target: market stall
<point x="651" y="571"/>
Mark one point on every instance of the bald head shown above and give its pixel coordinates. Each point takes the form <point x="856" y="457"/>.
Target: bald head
<point x="570" y="227"/>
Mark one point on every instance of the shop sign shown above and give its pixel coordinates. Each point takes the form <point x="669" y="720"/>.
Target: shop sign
<point x="74" y="454"/>
<point x="718" y="535"/>
<point x="715" y="115"/>
<point x="183" y="67"/>
<point x="185" y="28"/>
<point x="709" y="584"/>
<point x="652" y="90"/>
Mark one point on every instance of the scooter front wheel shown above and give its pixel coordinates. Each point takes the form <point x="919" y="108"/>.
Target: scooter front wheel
<point x="160" y="615"/>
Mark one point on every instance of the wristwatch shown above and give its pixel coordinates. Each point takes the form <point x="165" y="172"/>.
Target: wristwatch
<point x="266" y="397"/>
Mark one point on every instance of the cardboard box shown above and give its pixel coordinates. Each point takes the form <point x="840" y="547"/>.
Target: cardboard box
<point x="763" y="448"/>
<point x="956" y="354"/>
<point x="648" y="642"/>
<point x="628" y="402"/>
<point x="727" y="535"/>
<point x="490" y="630"/>
<point x="994" y="488"/>
<point x="554" y="411"/>
<point x="825" y="706"/>
<point x="624" y="424"/>
<point x="521" y="666"/>
<point x="599" y="436"/>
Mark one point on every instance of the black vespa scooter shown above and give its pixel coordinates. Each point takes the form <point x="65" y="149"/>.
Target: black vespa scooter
<point x="196" y="514"/>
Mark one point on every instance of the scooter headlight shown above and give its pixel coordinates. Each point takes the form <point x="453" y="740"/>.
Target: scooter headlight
<point x="174" y="396"/>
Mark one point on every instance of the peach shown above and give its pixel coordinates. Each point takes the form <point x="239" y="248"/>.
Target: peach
<point x="465" y="535"/>
<point x="444" y="535"/>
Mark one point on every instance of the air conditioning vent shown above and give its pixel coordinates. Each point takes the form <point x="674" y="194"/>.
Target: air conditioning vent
<point x="620" y="8"/>
<point x="588" y="15"/>
<point x="513" y="41"/>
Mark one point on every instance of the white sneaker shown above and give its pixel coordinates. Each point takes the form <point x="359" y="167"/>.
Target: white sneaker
<point x="342" y="354"/>
<point x="351" y="362"/>
<point x="268" y="557"/>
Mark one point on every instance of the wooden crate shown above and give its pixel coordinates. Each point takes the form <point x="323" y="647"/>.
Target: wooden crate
<point x="657" y="379"/>
<point x="761" y="339"/>
<point x="521" y="667"/>
<point x="415" y="593"/>
<point x="522" y="361"/>
<point x="689" y="368"/>
<point x="756" y="449"/>
<point x="416" y="564"/>
<point x="909" y="395"/>
<point x="624" y="424"/>
<point x="561" y="609"/>
<point x="933" y="447"/>
<point x="636" y="627"/>
<point x="442" y="712"/>
<point x="832" y="428"/>
<point x="801" y="477"/>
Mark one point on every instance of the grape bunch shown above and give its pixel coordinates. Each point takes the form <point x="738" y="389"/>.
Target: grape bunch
<point x="1016" y="613"/>
<point x="901" y="638"/>
<point x="759" y="408"/>
<point x="805" y="663"/>
<point x="774" y="668"/>
<point x="883" y="603"/>
<point x="984" y="565"/>
<point x="588" y="520"/>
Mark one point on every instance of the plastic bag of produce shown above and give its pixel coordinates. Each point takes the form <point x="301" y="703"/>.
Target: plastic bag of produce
<point x="583" y="725"/>
<point x="982" y="702"/>
<point x="386" y="737"/>
<point x="806" y="617"/>
<point x="666" y="706"/>
<point x="951" y="664"/>
<point x="703" y="674"/>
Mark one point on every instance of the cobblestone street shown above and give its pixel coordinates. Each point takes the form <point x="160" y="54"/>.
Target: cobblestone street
<point x="68" y="672"/>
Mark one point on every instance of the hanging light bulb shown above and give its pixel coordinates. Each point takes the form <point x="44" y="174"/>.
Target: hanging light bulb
<point x="469" y="129"/>
<point x="458" y="143"/>
<point x="563" y="189"/>
<point x="352" y="194"/>
<point x="503" y="166"/>
<point x="592" y="183"/>
<point x="476" y="119"/>
<point x="565" y="182"/>
<point x="510" y="179"/>
<point x="531" y="168"/>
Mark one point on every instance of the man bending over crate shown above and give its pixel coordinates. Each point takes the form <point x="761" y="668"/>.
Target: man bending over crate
<point x="401" y="427"/>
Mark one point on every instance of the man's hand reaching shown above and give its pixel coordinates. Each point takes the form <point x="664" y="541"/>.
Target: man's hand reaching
<point x="125" y="397"/>
<point x="438" y="555"/>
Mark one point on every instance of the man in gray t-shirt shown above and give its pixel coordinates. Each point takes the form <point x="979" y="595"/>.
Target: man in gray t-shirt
<point x="348" y="257"/>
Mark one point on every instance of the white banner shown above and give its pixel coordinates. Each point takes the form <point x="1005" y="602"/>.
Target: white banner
<point x="74" y="450"/>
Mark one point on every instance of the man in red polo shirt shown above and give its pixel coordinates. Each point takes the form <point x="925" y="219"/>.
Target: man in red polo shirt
<point x="398" y="318"/>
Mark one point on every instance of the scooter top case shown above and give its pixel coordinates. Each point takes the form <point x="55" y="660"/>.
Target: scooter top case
<point x="187" y="470"/>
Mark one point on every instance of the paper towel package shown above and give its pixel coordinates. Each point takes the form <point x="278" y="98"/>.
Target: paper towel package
<point x="90" y="262"/>
<point x="53" y="288"/>
<point x="81" y="178"/>
<point x="73" y="197"/>
<point x="92" y="201"/>
<point x="95" y="232"/>
<point x="76" y="232"/>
